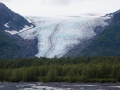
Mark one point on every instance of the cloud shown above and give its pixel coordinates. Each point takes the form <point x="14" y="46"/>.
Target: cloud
<point x="61" y="2"/>
<point x="5" y="0"/>
<point x="61" y="7"/>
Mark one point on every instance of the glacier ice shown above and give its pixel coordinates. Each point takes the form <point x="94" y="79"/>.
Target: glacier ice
<point x="57" y="35"/>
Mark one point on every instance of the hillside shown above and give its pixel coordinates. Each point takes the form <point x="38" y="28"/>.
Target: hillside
<point x="63" y="36"/>
<point x="10" y="20"/>
<point x="6" y="46"/>
<point x="108" y="42"/>
<point x="13" y="46"/>
<point x="16" y="47"/>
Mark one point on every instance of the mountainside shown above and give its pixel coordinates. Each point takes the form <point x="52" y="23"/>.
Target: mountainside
<point x="16" y="47"/>
<point x="6" y="47"/>
<point x="108" y="42"/>
<point x="10" y="20"/>
<point x="13" y="46"/>
<point x="61" y="36"/>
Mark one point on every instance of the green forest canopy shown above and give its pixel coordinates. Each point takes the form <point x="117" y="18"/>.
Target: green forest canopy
<point x="80" y="69"/>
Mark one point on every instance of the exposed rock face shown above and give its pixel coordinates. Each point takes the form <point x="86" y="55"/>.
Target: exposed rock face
<point x="10" y="20"/>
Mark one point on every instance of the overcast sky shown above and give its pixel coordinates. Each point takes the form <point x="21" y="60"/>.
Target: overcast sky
<point x="61" y="7"/>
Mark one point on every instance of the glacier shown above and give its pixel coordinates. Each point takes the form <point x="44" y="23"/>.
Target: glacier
<point x="57" y="35"/>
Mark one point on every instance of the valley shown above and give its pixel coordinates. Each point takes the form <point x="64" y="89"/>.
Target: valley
<point x="56" y="36"/>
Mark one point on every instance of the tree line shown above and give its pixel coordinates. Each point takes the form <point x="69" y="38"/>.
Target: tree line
<point x="79" y="69"/>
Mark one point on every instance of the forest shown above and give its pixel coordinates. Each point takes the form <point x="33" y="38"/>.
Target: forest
<point x="80" y="69"/>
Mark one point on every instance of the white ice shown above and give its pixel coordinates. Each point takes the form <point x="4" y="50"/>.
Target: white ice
<point x="57" y="35"/>
<point x="16" y="32"/>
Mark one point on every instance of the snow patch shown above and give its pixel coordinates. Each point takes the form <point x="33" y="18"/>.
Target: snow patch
<point x="26" y="28"/>
<point x="6" y="25"/>
<point x="16" y="32"/>
<point x="11" y="32"/>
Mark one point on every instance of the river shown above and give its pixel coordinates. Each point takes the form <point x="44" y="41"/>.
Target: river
<point x="58" y="86"/>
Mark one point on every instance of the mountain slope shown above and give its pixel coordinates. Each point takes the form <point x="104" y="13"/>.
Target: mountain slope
<point x="16" y="47"/>
<point x="58" y="36"/>
<point x="10" y="20"/>
<point x="6" y="46"/>
<point x="13" y="46"/>
<point x="108" y="43"/>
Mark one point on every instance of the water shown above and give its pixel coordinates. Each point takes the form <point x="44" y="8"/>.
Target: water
<point x="59" y="86"/>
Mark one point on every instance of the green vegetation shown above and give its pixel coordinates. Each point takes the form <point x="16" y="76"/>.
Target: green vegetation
<point x="108" y="42"/>
<point x="80" y="69"/>
<point x="7" y="48"/>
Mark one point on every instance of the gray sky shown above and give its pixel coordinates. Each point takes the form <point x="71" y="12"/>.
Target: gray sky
<point x="61" y="7"/>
